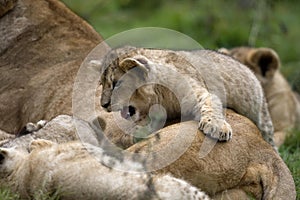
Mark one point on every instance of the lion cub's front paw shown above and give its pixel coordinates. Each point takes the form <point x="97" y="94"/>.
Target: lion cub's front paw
<point x="218" y="129"/>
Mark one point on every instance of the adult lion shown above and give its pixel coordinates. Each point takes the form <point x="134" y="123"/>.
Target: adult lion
<point x="284" y="107"/>
<point x="42" y="46"/>
<point x="245" y="165"/>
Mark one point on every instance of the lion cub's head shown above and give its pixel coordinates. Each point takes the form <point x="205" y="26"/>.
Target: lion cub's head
<point x="264" y="62"/>
<point x="125" y="84"/>
<point x="10" y="161"/>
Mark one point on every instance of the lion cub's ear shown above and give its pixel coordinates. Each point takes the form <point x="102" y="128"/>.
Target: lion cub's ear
<point x="265" y="59"/>
<point x="3" y="154"/>
<point x="40" y="143"/>
<point x="137" y="61"/>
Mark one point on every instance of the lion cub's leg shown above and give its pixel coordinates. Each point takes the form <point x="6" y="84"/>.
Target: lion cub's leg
<point x="211" y="117"/>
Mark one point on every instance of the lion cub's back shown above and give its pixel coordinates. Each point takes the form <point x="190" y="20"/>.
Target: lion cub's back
<point x="231" y="81"/>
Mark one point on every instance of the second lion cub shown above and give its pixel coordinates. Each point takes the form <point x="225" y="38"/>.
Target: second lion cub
<point x="187" y="84"/>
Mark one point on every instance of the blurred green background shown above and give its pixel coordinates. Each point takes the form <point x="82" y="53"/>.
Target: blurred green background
<point x="213" y="23"/>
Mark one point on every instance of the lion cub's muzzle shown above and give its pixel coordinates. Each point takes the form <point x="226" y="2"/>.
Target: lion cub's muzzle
<point x="127" y="112"/>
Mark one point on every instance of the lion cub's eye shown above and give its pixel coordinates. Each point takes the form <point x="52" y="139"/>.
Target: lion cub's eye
<point x="116" y="84"/>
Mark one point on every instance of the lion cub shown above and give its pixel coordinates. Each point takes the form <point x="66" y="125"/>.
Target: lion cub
<point x="284" y="107"/>
<point x="79" y="171"/>
<point x="187" y="84"/>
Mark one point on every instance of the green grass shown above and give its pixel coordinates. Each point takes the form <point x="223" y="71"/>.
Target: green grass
<point x="290" y="153"/>
<point x="5" y="194"/>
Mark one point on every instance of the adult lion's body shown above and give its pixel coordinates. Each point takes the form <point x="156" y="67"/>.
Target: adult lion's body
<point x="246" y="165"/>
<point x="42" y="46"/>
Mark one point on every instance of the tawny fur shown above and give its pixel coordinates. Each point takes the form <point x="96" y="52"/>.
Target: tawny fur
<point x="246" y="165"/>
<point x="46" y="54"/>
<point x="42" y="46"/>
<point x="39" y="62"/>
<point x="283" y="105"/>
<point x="75" y="171"/>
<point x="6" y="5"/>
<point x="186" y="83"/>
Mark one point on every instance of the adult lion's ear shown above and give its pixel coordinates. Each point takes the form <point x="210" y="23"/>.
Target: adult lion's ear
<point x="266" y="59"/>
<point x="136" y="61"/>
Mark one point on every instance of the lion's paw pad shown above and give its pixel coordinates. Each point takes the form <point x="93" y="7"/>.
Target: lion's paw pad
<point x="218" y="129"/>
